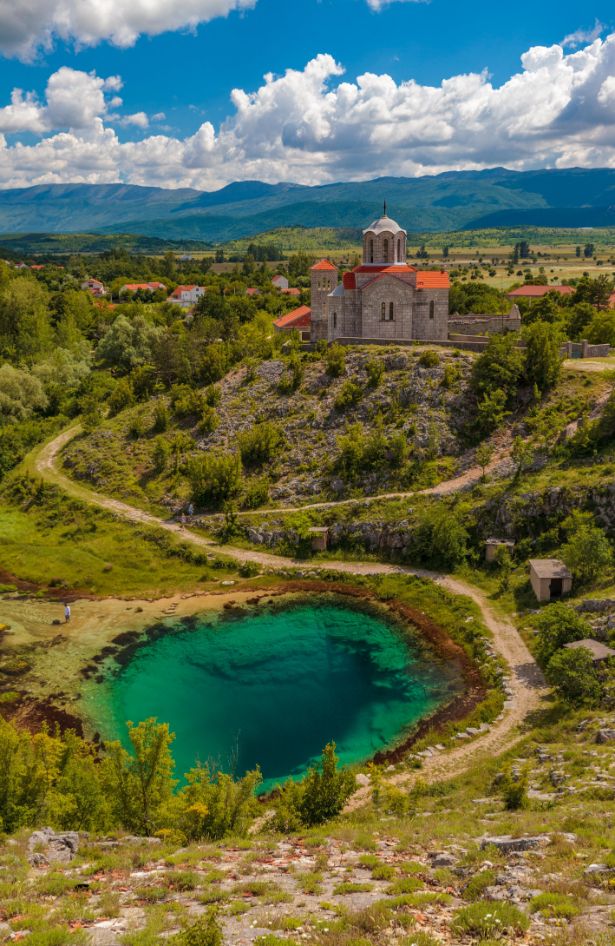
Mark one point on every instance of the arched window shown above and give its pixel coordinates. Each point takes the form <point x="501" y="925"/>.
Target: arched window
<point x="383" y="312"/>
<point x="371" y="251"/>
<point x="432" y="309"/>
<point x="391" y="312"/>
<point x="386" y="251"/>
<point x="335" y="320"/>
<point x="399" y="251"/>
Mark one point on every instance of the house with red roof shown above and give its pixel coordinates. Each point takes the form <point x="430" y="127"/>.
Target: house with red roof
<point x="95" y="287"/>
<point x="382" y="299"/>
<point x="299" y="320"/>
<point x="187" y="296"/>
<point x="131" y="287"/>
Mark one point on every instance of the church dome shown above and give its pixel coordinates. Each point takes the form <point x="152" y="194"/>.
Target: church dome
<point x="384" y="224"/>
<point x="384" y="242"/>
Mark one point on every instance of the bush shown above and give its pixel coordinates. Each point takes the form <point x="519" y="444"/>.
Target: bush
<point x="488" y="919"/>
<point x="587" y="552"/>
<point x="552" y="905"/>
<point x="556" y="625"/>
<point x="429" y="359"/>
<point x="292" y="377"/>
<point x="335" y="361"/>
<point x="573" y="674"/>
<point x="441" y="538"/>
<point x="209" y="420"/>
<point x="255" y="494"/>
<point x="349" y="394"/>
<point x="162" y="418"/>
<point x="374" y="369"/>
<point x="205" y="931"/>
<point x="321" y="795"/>
<point x="475" y="887"/>
<point x="214" y="478"/>
<point x="259" y="444"/>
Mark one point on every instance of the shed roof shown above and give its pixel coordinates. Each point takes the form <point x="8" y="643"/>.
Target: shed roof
<point x="549" y="568"/>
<point x="598" y="650"/>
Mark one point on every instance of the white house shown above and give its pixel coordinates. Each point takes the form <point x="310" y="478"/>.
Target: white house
<point x="95" y="287"/>
<point x="187" y="296"/>
<point x="280" y="282"/>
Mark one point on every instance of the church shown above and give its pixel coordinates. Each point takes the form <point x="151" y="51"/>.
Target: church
<point x="381" y="299"/>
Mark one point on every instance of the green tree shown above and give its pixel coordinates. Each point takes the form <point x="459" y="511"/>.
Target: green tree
<point x="214" y="478"/>
<point x="574" y="676"/>
<point x="128" y="343"/>
<point x="543" y="358"/>
<point x="587" y="552"/>
<point x="441" y="538"/>
<point x="556" y="625"/>
<point x="140" y="781"/>
<point x="259" y="444"/>
<point x="484" y="455"/>
<point x="522" y="455"/>
<point x="25" y="329"/>
<point x="491" y="410"/>
<point x="601" y="329"/>
<point x="21" y="395"/>
<point x="325" y="789"/>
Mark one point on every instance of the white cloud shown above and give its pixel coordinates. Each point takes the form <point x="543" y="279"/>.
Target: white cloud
<point x="579" y="37"/>
<point x="29" y="25"/>
<point x="315" y="126"/>
<point x="378" y="5"/>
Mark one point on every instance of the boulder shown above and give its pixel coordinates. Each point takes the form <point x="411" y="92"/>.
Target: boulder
<point x="605" y="735"/>
<point x="48" y="847"/>
<point x="509" y="845"/>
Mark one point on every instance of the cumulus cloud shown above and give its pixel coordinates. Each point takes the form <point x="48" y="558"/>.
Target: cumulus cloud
<point x="316" y="125"/>
<point x="29" y="25"/>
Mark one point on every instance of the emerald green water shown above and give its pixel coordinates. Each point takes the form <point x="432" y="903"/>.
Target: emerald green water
<point x="273" y="687"/>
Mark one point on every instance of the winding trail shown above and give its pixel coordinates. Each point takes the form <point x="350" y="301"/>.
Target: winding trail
<point x="527" y="687"/>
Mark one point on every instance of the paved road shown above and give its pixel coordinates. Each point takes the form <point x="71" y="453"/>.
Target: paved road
<point x="526" y="680"/>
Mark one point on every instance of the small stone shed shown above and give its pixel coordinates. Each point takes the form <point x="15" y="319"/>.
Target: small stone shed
<point x="319" y="537"/>
<point x="550" y="579"/>
<point x="493" y="546"/>
<point x="599" y="651"/>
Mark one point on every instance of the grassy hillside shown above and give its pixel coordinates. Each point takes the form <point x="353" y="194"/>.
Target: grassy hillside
<point x="408" y="407"/>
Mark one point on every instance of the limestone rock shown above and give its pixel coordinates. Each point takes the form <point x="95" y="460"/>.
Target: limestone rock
<point x="47" y="847"/>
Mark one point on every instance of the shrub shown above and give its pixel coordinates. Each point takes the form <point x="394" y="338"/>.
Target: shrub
<point x="486" y="919"/>
<point x="349" y="394"/>
<point x="293" y="376"/>
<point x="204" y="932"/>
<point x="121" y="397"/>
<point x="209" y="420"/>
<point x="214" y="478"/>
<point x="441" y="538"/>
<point x="475" y="887"/>
<point x="374" y="368"/>
<point x="162" y="418"/>
<point x="587" y="552"/>
<point x="259" y="444"/>
<point x="556" y="625"/>
<point x="255" y="494"/>
<point x="335" y="361"/>
<point x="552" y="905"/>
<point x="429" y="359"/>
<point x="161" y="454"/>
<point x="573" y="674"/>
<point x="321" y="795"/>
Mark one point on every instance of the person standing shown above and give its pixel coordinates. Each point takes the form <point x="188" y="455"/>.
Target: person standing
<point x="66" y="613"/>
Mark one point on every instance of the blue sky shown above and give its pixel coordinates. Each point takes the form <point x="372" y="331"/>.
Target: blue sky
<point x="189" y="75"/>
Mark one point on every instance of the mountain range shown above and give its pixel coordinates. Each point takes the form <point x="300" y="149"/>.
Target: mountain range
<point x="456" y="200"/>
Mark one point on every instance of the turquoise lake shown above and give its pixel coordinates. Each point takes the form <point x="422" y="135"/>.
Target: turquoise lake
<point x="272" y="687"/>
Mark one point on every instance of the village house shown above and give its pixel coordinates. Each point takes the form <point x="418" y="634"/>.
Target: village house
<point x="131" y="287"/>
<point x="298" y="320"/>
<point x="280" y="282"/>
<point x="95" y="287"/>
<point x="187" y="296"/>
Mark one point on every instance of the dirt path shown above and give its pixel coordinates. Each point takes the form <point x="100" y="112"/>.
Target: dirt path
<point x="525" y="679"/>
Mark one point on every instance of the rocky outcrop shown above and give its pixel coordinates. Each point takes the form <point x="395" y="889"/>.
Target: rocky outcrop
<point x="48" y="847"/>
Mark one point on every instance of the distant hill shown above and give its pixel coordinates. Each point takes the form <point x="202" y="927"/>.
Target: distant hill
<point x="452" y="201"/>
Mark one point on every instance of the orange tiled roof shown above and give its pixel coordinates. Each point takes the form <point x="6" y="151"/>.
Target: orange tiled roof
<point x="385" y="268"/>
<point x="432" y="279"/>
<point x="134" y="286"/>
<point x="324" y="265"/>
<point x="298" y="318"/>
